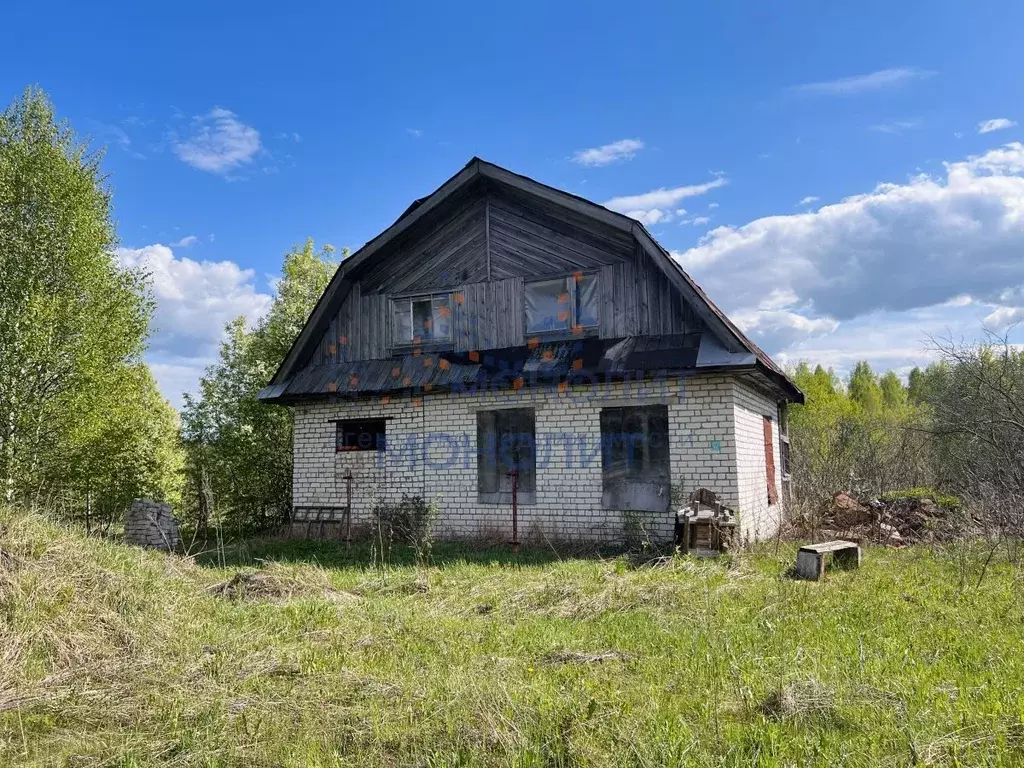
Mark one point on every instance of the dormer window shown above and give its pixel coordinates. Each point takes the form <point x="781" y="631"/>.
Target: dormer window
<point x="562" y="305"/>
<point x="422" y="319"/>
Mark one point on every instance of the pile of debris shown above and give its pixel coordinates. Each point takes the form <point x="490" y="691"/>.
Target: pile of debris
<point x="895" y="521"/>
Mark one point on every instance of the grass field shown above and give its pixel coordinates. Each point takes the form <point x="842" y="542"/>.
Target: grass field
<point x="117" y="657"/>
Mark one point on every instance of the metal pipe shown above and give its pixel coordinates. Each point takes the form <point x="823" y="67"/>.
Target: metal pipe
<point x="348" y="508"/>
<point x="515" y="511"/>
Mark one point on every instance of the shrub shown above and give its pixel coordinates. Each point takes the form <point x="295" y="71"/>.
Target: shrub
<point x="410" y="522"/>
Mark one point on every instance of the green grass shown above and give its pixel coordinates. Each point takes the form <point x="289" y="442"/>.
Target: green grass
<point x="116" y="657"/>
<point x="942" y="499"/>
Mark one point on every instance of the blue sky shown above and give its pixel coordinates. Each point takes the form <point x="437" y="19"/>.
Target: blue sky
<point x="236" y="130"/>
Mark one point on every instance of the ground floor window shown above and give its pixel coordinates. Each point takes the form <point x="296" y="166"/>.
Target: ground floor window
<point x="506" y="453"/>
<point x="361" y="435"/>
<point x="635" y="458"/>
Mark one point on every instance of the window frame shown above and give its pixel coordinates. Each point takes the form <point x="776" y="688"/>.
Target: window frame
<point x="379" y="443"/>
<point x="488" y="450"/>
<point x="783" y="422"/>
<point x="410" y="300"/>
<point x="571" y="283"/>
<point x="653" y="492"/>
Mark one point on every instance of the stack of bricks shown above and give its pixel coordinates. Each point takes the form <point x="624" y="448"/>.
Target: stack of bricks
<point x="151" y="524"/>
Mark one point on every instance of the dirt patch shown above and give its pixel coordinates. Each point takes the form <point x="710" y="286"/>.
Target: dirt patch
<point x="574" y="657"/>
<point x="799" y="699"/>
<point x="276" y="588"/>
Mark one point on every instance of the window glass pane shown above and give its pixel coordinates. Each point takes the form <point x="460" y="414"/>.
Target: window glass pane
<point x="402" y="322"/>
<point x="506" y="444"/>
<point x="487" y="455"/>
<point x="361" y="435"/>
<point x="634" y="436"/>
<point x="547" y="306"/>
<point x="635" y="442"/>
<point x="421" y="320"/>
<point x="657" y="444"/>
<point x="587" y="301"/>
<point x="441" y="318"/>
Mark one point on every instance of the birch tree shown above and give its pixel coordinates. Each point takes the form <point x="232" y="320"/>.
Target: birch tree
<point x="73" y="322"/>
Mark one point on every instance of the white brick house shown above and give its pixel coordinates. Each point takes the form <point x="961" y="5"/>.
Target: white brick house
<point x="505" y="338"/>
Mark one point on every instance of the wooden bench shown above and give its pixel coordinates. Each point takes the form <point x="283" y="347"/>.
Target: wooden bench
<point x="810" y="560"/>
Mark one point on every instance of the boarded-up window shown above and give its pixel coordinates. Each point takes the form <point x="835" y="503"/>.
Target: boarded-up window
<point x="361" y="435"/>
<point x="562" y="304"/>
<point x="422" y="319"/>
<point x="635" y="458"/>
<point x="769" y="462"/>
<point x="506" y="451"/>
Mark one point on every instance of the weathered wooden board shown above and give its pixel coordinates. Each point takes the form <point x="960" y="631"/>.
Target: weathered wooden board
<point x="483" y="247"/>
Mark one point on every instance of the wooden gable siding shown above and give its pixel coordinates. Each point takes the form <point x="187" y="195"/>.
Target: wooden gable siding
<point x="451" y="253"/>
<point x="489" y="315"/>
<point x="638" y="299"/>
<point x="527" y="240"/>
<point x="359" y="331"/>
<point x="499" y="235"/>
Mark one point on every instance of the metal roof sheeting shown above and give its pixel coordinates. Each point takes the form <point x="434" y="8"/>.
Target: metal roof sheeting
<point x="531" y="365"/>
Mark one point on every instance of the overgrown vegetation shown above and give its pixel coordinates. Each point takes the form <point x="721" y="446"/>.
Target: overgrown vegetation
<point x="238" y="450"/>
<point x="410" y="522"/>
<point x="114" y="656"/>
<point x="954" y="433"/>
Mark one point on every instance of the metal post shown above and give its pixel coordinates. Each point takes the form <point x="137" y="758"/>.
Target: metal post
<point x="348" y="509"/>
<point x="515" y="511"/>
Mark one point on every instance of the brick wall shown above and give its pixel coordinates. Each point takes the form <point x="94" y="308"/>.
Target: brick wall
<point x="758" y="518"/>
<point x="432" y="452"/>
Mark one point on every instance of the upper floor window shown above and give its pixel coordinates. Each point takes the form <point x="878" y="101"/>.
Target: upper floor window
<point x="563" y="304"/>
<point x="422" y="319"/>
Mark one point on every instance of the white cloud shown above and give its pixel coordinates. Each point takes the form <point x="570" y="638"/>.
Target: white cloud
<point x="414" y="132"/>
<point x="656" y="206"/>
<point x="712" y="205"/>
<point x="997" y="124"/>
<point x="186" y="242"/>
<point x="1003" y="317"/>
<point x="780" y="327"/>
<point x="809" y="200"/>
<point x="883" y="79"/>
<point x="924" y="256"/>
<point x="194" y="300"/>
<point x="616" y="152"/>
<point x="118" y="135"/>
<point x="218" y="142"/>
<point x="896" y="126"/>
<point x="700" y="220"/>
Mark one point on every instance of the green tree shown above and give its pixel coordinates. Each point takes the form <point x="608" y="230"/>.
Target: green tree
<point x="240" y="450"/>
<point x="863" y="387"/>
<point x="71" y="319"/>
<point x="894" y="394"/>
